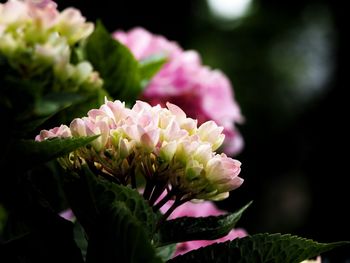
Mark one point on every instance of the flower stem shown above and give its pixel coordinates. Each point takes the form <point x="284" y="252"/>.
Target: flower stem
<point x="157" y="192"/>
<point x="133" y="180"/>
<point x="176" y="204"/>
<point x="148" y="190"/>
<point x="162" y="202"/>
<point x="99" y="172"/>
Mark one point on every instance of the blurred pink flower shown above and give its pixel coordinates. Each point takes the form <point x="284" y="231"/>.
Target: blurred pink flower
<point x="143" y="44"/>
<point x="68" y="215"/>
<point x="202" y="209"/>
<point x="203" y="93"/>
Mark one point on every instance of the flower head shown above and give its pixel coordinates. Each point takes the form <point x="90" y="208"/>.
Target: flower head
<point x="162" y="144"/>
<point x="203" y="93"/>
<point x="35" y="37"/>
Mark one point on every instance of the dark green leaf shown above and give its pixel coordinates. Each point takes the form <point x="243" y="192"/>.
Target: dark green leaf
<point x="120" y="237"/>
<point x="32" y="152"/>
<point x="55" y="102"/>
<point x="150" y="66"/>
<point x="117" y="66"/>
<point x="92" y="100"/>
<point x="80" y="239"/>
<point x="79" y="191"/>
<point x="28" y="101"/>
<point x="27" y="129"/>
<point x="21" y="89"/>
<point x="107" y="192"/>
<point x="260" y="248"/>
<point x="88" y="195"/>
<point x="200" y="228"/>
<point x="118" y="221"/>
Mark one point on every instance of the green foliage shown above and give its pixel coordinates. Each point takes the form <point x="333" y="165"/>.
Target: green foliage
<point x="20" y="94"/>
<point x="97" y="194"/>
<point x="107" y="192"/>
<point x="118" y="221"/>
<point x="54" y="102"/>
<point x="200" y="228"/>
<point x="103" y="193"/>
<point x="27" y="101"/>
<point x="32" y="152"/>
<point x="80" y="239"/>
<point x="149" y="67"/>
<point x="260" y="248"/>
<point x="91" y="100"/>
<point x="120" y="237"/>
<point x="166" y="252"/>
<point x="117" y="66"/>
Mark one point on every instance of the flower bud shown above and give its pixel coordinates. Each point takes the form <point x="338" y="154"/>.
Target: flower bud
<point x="62" y="132"/>
<point x="210" y="132"/>
<point x="167" y="151"/>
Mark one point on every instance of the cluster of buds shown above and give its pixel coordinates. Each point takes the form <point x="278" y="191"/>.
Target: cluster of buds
<point x="35" y="37"/>
<point x="163" y="145"/>
<point x="186" y="82"/>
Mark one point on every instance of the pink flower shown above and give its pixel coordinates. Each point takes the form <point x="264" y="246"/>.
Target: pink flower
<point x="203" y="93"/>
<point x="163" y="144"/>
<point x="223" y="172"/>
<point x="67" y="214"/>
<point x="62" y="131"/>
<point x="42" y="3"/>
<point x="202" y="209"/>
<point x="143" y="44"/>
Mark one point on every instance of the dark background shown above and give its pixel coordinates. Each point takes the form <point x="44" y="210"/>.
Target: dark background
<point x="287" y="62"/>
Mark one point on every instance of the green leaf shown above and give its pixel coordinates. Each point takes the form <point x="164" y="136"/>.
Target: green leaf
<point x="32" y="152"/>
<point x="117" y="66"/>
<point x="120" y="237"/>
<point x="199" y="228"/>
<point x="166" y="252"/>
<point x="260" y="248"/>
<point x="79" y="191"/>
<point x="106" y="192"/>
<point x="80" y="239"/>
<point x="119" y="223"/>
<point x="92" y="100"/>
<point x="88" y="195"/>
<point x="55" y="102"/>
<point x="150" y="66"/>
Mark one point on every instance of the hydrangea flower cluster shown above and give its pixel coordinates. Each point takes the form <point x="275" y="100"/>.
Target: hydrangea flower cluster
<point x="161" y="144"/>
<point x="185" y="81"/>
<point x="35" y="36"/>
